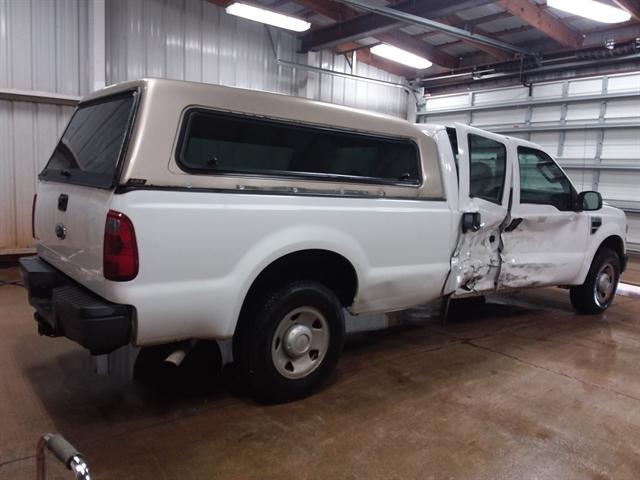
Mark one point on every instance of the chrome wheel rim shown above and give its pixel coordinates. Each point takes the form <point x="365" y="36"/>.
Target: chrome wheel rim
<point x="300" y="342"/>
<point x="605" y="285"/>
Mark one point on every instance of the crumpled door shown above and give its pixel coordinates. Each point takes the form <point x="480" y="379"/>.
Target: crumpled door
<point x="484" y="164"/>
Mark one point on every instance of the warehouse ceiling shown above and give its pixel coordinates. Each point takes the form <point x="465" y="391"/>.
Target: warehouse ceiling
<point x="490" y="40"/>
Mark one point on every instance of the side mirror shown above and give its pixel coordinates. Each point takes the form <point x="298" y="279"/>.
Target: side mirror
<point x="589" y="201"/>
<point x="470" y="222"/>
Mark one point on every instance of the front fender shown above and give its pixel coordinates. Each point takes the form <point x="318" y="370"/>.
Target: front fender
<point x="609" y="228"/>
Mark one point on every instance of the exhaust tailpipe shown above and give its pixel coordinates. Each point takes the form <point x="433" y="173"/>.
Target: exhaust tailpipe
<point x="176" y="357"/>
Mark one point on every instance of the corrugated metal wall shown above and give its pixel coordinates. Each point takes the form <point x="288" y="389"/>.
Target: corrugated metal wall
<point x="42" y="48"/>
<point x="591" y="125"/>
<point x="195" y="40"/>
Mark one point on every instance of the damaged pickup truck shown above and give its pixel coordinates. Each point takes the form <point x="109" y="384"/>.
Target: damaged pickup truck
<point x="175" y="211"/>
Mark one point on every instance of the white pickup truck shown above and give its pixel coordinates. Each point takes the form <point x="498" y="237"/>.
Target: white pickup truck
<point x="174" y="211"/>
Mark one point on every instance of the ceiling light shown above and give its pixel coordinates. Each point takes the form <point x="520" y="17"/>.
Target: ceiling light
<point x="398" y="55"/>
<point x="267" y="16"/>
<point x="591" y="9"/>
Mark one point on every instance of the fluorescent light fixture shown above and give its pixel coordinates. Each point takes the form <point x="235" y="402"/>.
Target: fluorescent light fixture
<point x="267" y="16"/>
<point x="398" y="55"/>
<point x="600" y="12"/>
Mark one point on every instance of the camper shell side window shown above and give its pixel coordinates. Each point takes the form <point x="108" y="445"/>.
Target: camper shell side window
<point x="216" y="143"/>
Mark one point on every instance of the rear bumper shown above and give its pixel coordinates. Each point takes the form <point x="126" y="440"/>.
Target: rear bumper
<point x="65" y="308"/>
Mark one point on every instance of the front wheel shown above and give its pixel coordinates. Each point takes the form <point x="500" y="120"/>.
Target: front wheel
<point x="597" y="292"/>
<point x="289" y="341"/>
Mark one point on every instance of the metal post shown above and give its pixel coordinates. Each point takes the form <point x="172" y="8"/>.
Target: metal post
<point x="63" y="451"/>
<point x="595" y="182"/>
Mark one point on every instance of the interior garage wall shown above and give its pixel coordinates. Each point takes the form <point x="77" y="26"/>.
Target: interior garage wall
<point x="195" y="40"/>
<point x="591" y="125"/>
<point x="43" y="48"/>
<point x="48" y="47"/>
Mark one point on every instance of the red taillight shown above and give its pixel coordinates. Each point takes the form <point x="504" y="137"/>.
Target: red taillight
<point x="120" y="252"/>
<point x="33" y="216"/>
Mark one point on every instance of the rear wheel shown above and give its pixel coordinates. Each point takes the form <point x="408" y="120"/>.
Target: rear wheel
<point x="289" y="341"/>
<point x="599" y="288"/>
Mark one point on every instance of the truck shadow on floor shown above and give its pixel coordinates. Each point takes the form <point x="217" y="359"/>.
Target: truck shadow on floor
<point x="73" y="395"/>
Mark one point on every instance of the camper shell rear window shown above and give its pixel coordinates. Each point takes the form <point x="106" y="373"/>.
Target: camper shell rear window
<point x="92" y="147"/>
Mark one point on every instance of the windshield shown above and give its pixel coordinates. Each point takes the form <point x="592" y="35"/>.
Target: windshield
<point x="91" y="147"/>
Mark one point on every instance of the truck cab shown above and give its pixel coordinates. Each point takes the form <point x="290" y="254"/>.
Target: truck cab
<point x="523" y="224"/>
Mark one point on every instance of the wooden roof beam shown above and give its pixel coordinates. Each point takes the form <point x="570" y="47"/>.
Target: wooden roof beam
<point x="364" y="55"/>
<point x="493" y="51"/>
<point x="338" y="12"/>
<point x="541" y="19"/>
<point x="370" y="24"/>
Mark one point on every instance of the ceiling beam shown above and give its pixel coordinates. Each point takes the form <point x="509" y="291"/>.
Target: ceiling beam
<point x="631" y="6"/>
<point x="370" y="24"/>
<point x="221" y="3"/>
<point x="419" y="47"/>
<point x="498" y="53"/>
<point x="502" y="33"/>
<point x="542" y="20"/>
<point x="338" y="12"/>
<point x="411" y="19"/>
<point x="364" y="55"/>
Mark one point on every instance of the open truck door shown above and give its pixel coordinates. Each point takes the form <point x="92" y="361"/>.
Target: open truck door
<point x="484" y="162"/>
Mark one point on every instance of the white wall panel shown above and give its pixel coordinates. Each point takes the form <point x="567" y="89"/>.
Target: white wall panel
<point x="448" y="119"/>
<point x="626" y="111"/>
<point x="446" y="101"/>
<point x="622" y="144"/>
<point x="633" y="220"/>
<point x="547" y="140"/>
<point x="499" y="117"/>
<point x="583" y="112"/>
<point x="197" y="41"/>
<point x="43" y="47"/>
<point x="585" y="87"/>
<point x="40" y="46"/>
<point x="503" y="95"/>
<point x="28" y="134"/>
<point x="581" y="144"/>
<point x="624" y="83"/>
<point x="615" y="185"/>
<point x="547" y="90"/>
<point x="549" y="114"/>
<point x="582" y="179"/>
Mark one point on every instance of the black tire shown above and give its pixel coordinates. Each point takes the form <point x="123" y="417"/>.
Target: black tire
<point x="260" y="330"/>
<point x="585" y="298"/>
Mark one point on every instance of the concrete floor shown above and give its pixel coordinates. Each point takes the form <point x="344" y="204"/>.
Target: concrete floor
<point x="523" y="388"/>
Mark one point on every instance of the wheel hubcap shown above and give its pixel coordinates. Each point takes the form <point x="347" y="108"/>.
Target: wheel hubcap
<point x="604" y="285"/>
<point x="300" y="342"/>
<point x="297" y="340"/>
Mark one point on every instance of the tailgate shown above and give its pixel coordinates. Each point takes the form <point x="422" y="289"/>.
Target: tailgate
<point x="69" y="224"/>
<point x="76" y="186"/>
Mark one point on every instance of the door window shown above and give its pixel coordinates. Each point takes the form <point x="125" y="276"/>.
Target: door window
<point x="487" y="170"/>
<point x="542" y="181"/>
